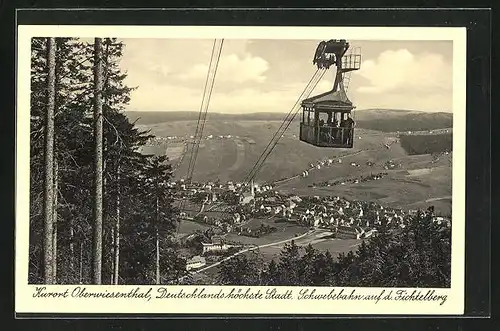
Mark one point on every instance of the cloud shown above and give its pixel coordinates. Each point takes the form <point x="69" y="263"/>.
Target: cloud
<point x="175" y="97"/>
<point x="232" y="68"/>
<point x="411" y="101"/>
<point x="269" y="76"/>
<point x="399" y="69"/>
<point x="323" y="86"/>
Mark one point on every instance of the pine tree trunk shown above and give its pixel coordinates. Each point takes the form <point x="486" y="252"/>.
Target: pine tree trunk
<point x="98" y="167"/>
<point x="112" y="274"/>
<point x="105" y="55"/>
<point x="55" y="222"/>
<point x="57" y="84"/>
<point x="157" y="246"/>
<point x="116" y="262"/>
<point x="157" y="258"/>
<point x="81" y="263"/>
<point x="71" y="245"/>
<point x="49" y="163"/>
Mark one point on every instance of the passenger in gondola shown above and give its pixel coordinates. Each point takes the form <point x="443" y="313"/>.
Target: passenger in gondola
<point x="332" y="125"/>
<point x="347" y="124"/>
<point x="323" y="130"/>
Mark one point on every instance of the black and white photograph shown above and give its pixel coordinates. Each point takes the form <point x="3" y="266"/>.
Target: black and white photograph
<point x="243" y="159"/>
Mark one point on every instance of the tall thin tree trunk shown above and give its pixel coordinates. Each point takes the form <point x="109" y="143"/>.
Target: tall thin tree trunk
<point x="157" y="257"/>
<point x="112" y="273"/>
<point x="105" y="215"/>
<point x="81" y="262"/>
<point x="111" y="242"/>
<point x="55" y="222"/>
<point x="116" y="262"/>
<point x="157" y="245"/>
<point x="49" y="163"/>
<point x="71" y="245"/>
<point x="98" y="167"/>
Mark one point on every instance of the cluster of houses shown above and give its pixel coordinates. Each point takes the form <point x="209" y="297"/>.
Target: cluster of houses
<point x="330" y="162"/>
<point x="195" y="262"/>
<point x="214" y="137"/>
<point x="325" y="212"/>
<point x="355" y="219"/>
<point x="348" y="219"/>
<point x="158" y="141"/>
<point x="345" y="218"/>
<point x="435" y="131"/>
<point x="389" y="165"/>
<point x="355" y="180"/>
<point x="210" y="249"/>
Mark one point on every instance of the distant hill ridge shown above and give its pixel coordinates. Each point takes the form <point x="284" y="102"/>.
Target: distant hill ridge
<point x="387" y="120"/>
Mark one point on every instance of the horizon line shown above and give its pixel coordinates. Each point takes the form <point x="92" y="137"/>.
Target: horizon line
<point x="284" y="112"/>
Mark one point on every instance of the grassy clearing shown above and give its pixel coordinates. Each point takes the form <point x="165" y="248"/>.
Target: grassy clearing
<point x="187" y="227"/>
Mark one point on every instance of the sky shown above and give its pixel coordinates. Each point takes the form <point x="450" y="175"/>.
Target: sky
<point x="269" y="75"/>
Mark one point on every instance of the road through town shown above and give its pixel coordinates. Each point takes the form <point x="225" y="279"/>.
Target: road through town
<point x="251" y="249"/>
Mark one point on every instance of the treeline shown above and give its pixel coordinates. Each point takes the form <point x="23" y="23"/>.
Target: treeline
<point x="370" y="119"/>
<point x="100" y="211"/>
<point x="390" y="120"/>
<point x="426" y="144"/>
<point x="152" y="117"/>
<point x="416" y="256"/>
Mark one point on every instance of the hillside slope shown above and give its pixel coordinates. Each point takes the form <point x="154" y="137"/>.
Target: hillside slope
<point x="386" y="120"/>
<point x="233" y="158"/>
<point x="418" y="181"/>
<point x="391" y="120"/>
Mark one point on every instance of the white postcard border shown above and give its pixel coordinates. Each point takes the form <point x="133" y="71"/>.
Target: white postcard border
<point x="24" y="301"/>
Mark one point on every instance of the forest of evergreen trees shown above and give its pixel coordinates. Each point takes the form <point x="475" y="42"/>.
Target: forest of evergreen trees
<point x="416" y="256"/>
<point x="101" y="212"/>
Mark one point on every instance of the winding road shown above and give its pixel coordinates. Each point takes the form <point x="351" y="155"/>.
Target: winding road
<point x="432" y="199"/>
<point x="439" y="198"/>
<point x="249" y="250"/>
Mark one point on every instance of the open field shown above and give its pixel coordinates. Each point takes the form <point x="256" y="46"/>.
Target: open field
<point x="173" y="150"/>
<point x="188" y="227"/>
<point x="317" y="240"/>
<point x="284" y="231"/>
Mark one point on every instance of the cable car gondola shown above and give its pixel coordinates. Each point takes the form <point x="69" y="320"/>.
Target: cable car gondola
<point x="326" y="118"/>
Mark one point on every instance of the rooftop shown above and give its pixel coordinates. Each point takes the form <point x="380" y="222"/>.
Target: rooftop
<point x="197" y="259"/>
<point x="331" y="99"/>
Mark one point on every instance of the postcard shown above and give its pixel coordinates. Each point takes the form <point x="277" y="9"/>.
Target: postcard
<point x="240" y="170"/>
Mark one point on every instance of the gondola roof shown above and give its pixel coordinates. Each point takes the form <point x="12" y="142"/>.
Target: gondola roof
<point x="331" y="99"/>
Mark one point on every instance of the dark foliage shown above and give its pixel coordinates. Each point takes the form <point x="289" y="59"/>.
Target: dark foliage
<point x="427" y="144"/>
<point x="416" y="256"/>
<point x="137" y="203"/>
